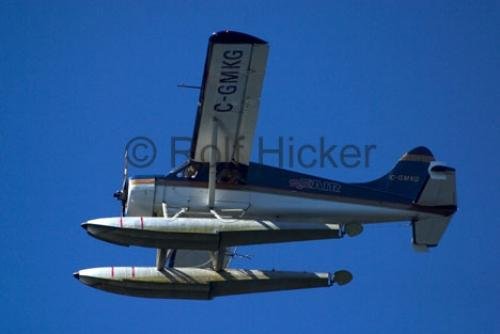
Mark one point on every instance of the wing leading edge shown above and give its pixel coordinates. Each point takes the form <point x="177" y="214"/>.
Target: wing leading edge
<point x="230" y="97"/>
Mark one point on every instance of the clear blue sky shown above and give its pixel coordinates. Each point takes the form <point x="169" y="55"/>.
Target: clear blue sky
<point x="80" y="78"/>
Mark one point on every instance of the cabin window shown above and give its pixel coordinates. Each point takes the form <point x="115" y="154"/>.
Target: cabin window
<point x="188" y="172"/>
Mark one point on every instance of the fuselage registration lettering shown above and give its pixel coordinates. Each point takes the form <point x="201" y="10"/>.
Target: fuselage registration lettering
<point x="314" y="184"/>
<point x="228" y="80"/>
<point x="404" y="178"/>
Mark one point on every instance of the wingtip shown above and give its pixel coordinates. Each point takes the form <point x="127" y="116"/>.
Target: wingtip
<point x="235" y="37"/>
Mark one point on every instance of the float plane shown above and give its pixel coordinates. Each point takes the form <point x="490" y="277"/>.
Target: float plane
<point x="197" y="214"/>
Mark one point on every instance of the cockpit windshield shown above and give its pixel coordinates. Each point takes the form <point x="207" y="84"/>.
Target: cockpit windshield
<point x="188" y="170"/>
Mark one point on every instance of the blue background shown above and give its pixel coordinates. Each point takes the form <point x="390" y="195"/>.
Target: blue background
<point x="78" y="79"/>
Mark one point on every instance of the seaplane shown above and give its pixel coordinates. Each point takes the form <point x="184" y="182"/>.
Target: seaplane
<point x="196" y="215"/>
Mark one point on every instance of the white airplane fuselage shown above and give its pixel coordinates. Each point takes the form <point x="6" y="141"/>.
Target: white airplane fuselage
<point x="259" y="192"/>
<point x="146" y="199"/>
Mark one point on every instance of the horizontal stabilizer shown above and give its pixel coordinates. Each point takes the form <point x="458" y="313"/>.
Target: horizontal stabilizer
<point x="428" y="232"/>
<point x="439" y="192"/>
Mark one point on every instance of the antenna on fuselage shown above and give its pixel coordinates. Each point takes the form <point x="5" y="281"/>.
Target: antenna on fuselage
<point x="183" y="85"/>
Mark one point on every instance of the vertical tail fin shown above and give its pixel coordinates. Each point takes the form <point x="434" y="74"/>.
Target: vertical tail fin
<point x="408" y="178"/>
<point x="420" y="180"/>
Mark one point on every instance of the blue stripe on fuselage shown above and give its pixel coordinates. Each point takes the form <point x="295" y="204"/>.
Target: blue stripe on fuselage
<point x="273" y="178"/>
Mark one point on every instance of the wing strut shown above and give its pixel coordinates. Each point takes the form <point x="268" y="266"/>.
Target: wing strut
<point x="161" y="258"/>
<point x="218" y="259"/>
<point x="212" y="172"/>
<point x="162" y="253"/>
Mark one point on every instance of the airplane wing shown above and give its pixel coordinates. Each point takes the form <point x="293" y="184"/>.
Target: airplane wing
<point x="230" y="97"/>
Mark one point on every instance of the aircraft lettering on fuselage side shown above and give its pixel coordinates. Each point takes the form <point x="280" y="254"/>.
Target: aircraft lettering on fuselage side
<point x="228" y="80"/>
<point x="312" y="184"/>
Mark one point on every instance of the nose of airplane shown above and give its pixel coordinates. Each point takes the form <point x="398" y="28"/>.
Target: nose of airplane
<point x="76" y="275"/>
<point x="85" y="226"/>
